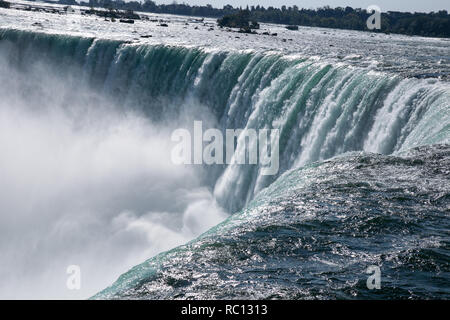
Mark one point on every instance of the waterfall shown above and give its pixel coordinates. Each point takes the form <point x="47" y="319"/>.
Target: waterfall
<point x="322" y="109"/>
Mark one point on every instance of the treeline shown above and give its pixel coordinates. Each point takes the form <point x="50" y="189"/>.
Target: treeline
<point x="434" y="24"/>
<point x="4" y="4"/>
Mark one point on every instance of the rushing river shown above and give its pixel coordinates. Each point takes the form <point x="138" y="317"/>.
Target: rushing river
<point x="87" y="110"/>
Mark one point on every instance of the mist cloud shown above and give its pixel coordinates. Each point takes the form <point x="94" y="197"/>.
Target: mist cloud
<point x="84" y="182"/>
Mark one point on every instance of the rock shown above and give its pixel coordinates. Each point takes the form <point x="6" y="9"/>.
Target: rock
<point x="126" y="20"/>
<point x="292" y="27"/>
<point x="246" y="30"/>
<point x="254" y="25"/>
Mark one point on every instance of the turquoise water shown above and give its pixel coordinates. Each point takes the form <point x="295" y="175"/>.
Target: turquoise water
<point x="313" y="233"/>
<point x="364" y="166"/>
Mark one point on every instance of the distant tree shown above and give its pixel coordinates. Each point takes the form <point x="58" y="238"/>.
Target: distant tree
<point x="4" y="4"/>
<point x="149" y="5"/>
<point x="236" y="20"/>
<point x="435" y="24"/>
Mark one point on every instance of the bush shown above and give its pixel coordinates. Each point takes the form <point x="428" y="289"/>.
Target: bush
<point x="238" y="20"/>
<point x="4" y="4"/>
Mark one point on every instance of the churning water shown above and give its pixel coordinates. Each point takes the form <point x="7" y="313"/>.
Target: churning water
<point x="86" y="113"/>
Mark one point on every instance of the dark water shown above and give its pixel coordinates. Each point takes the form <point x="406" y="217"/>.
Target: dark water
<point x="314" y="232"/>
